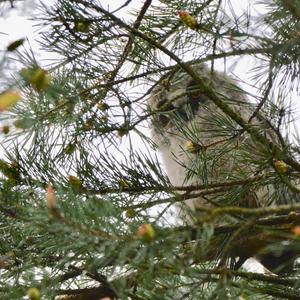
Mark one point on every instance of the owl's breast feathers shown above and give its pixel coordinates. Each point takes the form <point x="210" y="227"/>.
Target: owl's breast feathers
<point x="184" y="114"/>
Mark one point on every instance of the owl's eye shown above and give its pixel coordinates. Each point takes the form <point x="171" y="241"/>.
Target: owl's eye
<point x="163" y="102"/>
<point x="165" y="118"/>
<point x="192" y="89"/>
<point x="187" y="110"/>
<point x="194" y="95"/>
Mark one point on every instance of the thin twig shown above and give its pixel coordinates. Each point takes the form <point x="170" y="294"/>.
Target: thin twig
<point x="254" y="132"/>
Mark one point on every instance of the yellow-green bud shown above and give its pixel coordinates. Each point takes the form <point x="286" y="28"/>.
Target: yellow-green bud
<point x="40" y="79"/>
<point x="5" y="129"/>
<point x="188" y="20"/>
<point x="75" y="183"/>
<point x="280" y="166"/>
<point x="192" y="147"/>
<point x="14" y="45"/>
<point x="102" y="106"/>
<point x="130" y="213"/>
<point x="8" y="99"/>
<point x="34" y="294"/>
<point x="146" y="232"/>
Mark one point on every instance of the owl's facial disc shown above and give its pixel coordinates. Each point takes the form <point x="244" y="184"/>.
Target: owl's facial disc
<point x="163" y="118"/>
<point x="194" y="95"/>
<point x="184" y="108"/>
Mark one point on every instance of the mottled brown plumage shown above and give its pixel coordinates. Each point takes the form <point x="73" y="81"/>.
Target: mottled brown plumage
<point x="188" y="115"/>
<point x="184" y="117"/>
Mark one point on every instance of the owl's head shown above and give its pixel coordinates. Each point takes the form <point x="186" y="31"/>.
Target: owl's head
<point x="178" y="97"/>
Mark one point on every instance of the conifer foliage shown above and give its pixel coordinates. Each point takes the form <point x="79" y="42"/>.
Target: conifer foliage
<point x="86" y="208"/>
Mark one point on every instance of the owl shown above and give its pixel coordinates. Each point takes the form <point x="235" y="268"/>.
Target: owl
<point x="201" y="145"/>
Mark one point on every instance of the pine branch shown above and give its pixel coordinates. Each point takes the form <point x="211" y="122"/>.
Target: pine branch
<point x="96" y="293"/>
<point x="209" y="57"/>
<point x="295" y="11"/>
<point x="128" y="46"/>
<point x="89" y="245"/>
<point x="275" y="150"/>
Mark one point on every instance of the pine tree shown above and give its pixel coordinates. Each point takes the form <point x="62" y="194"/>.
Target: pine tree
<point x="86" y="207"/>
